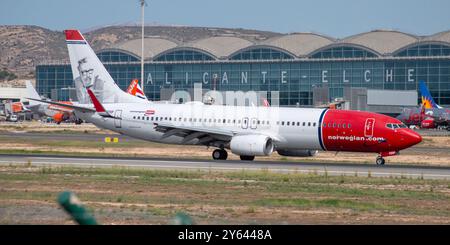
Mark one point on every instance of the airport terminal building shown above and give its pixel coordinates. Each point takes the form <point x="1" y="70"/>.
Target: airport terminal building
<point x="302" y="67"/>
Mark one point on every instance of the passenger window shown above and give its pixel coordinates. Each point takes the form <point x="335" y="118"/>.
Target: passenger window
<point x="344" y="125"/>
<point x="334" y="125"/>
<point x="278" y="122"/>
<point x="349" y="125"/>
<point x="134" y="117"/>
<point x="268" y="122"/>
<point x="304" y="124"/>
<point x="324" y="125"/>
<point x="224" y="120"/>
<point x="338" y="125"/>
<point x="298" y="123"/>
<point x="282" y="123"/>
<point x="152" y="118"/>
<point x="309" y="124"/>
<point x="287" y="123"/>
<point x="314" y="124"/>
<point x="139" y="118"/>
<point x="329" y="125"/>
<point x="165" y="118"/>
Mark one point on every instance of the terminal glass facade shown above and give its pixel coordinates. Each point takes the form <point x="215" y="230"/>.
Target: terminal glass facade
<point x="294" y="78"/>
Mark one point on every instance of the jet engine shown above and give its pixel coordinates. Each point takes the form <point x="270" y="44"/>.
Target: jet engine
<point x="297" y="153"/>
<point x="251" y="145"/>
<point x="428" y="123"/>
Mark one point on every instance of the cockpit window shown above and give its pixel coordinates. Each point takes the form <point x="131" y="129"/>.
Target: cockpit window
<point x="395" y="125"/>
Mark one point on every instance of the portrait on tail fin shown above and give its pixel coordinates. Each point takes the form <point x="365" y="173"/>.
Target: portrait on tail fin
<point x="88" y="79"/>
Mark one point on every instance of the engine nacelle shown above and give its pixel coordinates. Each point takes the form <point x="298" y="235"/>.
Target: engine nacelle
<point x="251" y="145"/>
<point x="297" y="153"/>
<point x="428" y="123"/>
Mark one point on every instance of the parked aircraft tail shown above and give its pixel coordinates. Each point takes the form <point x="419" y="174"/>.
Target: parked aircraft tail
<point x="136" y="90"/>
<point x="32" y="93"/>
<point x="427" y="100"/>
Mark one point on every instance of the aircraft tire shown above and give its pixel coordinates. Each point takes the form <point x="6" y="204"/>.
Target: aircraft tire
<point x="380" y="161"/>
<point x="220" y="154"/>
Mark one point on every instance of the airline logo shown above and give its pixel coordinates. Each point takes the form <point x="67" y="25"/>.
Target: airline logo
<point x="149" y="112"/>
<point x="427" y="100"/>
<point x="368" y="127"/>
<point x="136" y="90"/>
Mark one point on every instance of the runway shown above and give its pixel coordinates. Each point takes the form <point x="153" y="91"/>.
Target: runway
<point x="332" y="169"/>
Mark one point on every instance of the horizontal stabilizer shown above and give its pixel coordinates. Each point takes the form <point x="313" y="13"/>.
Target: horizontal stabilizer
<point x="77" y="108"/>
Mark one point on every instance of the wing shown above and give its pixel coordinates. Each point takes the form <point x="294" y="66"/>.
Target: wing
<point x="205" y="136"/>
<point x="218" y="137"/>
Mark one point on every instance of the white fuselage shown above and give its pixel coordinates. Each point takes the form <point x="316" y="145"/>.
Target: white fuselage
<point x="291" y="128"/>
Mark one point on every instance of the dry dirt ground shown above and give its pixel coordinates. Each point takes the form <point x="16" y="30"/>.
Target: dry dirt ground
<point x="434" y="150"/>
<point x="129" y="196"/>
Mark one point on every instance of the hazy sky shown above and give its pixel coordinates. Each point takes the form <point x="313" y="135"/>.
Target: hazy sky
<point x="337" y="18"/>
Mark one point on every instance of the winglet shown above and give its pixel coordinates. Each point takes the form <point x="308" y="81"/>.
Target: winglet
<point x="97" y="105"/>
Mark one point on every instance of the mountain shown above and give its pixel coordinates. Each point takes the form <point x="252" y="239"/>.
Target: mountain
<point x="23" y="47"/>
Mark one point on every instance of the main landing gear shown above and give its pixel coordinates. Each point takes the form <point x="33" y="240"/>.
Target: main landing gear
<point x="220" y="154"/>
<point x="380" y="160"/>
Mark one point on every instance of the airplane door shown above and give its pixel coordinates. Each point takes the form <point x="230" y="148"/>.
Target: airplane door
<point x="118" y="118"/>
<point x="244" y="124"/>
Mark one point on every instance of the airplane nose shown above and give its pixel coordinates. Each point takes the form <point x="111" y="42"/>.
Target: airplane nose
<point x="411" y="138"/>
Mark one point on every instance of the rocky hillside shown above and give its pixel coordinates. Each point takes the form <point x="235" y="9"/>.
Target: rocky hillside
<point x="23" y="47"/>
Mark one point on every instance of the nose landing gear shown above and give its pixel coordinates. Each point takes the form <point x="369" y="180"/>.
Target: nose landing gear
<point x="220" y="154"/>
<point x="380" y="160"/>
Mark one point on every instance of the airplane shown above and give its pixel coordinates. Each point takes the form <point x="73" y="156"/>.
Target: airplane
<point x="429" y="114"/>
<point x="59" y="113"/>
<point x="246" y="131"/>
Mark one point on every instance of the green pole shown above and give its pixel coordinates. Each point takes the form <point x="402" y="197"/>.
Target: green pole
<point x="70" y="202"/>
<point x="182" y="219"/>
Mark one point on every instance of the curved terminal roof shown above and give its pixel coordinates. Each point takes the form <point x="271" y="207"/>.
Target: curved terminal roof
<point x="443" y="37"/>
<point x="153" y="46"/>
<point x="221" y="46"/>
<point x="382" y="41"/>
<point x="300" y="45"/>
